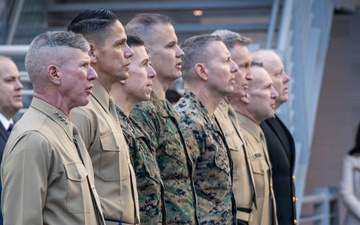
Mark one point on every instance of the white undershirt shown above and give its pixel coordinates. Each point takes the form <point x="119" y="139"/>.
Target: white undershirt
<point x="5" y="122"/>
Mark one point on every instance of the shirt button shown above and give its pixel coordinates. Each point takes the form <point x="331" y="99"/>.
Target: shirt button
<point x="294" y="199"/>
<point x="293" y="178"/>
<point x="295" y="222"/>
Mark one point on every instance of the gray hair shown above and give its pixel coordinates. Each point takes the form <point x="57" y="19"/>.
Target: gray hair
<point x="46" y="49"/>
<point x="196" y="51"/>
<point x="142" y="24"/>
<point x="232" y="38"/>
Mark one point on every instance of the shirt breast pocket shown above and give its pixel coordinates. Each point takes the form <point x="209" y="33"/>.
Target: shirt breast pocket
<point x="77" y="188"/>
<point x="222" y="160"/>
<point x="174" y="148"/>
<point x="260" y="170"/>
<point x="114" y="161"/>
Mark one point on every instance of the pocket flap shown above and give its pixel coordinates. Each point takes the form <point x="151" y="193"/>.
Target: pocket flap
<point x="75" y="171"/>
<point x="110" y="141"/>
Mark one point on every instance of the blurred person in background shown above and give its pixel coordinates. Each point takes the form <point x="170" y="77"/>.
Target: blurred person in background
<point x="10" y="101"/>
<point x="350" y="183"/>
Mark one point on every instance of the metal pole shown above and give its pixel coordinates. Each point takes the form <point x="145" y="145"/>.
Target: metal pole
<point x="272" y="24"/>
<point x="14" y="21"/>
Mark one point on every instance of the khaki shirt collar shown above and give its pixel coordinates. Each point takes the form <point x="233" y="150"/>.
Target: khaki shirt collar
<point x="101" y="95"/>
<point x="54" y="114"/>
<point x="250" y="126"/>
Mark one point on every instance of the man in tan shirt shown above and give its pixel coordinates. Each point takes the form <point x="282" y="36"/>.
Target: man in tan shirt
<point x="46" y="172"/>
<point x="257" y="105"/>
<point x="243" y="181"/>
<point x="98" y="122"/>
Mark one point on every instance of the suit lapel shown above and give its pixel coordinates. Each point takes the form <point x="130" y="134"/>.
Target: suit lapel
<point x="276" y="125"/>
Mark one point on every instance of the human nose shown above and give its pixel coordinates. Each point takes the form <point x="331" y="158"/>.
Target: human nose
<point x="92" y="75"/>
<point x="286" y="78"/>
<point x="234" y="67"/>
<point x="128" y="52"/>
<point x="18" y="85"/>
<point x="179" y="52"/>
<point x="248" y="74"/>
<point x="151" y="72"/>
<point x="274" y="93"/>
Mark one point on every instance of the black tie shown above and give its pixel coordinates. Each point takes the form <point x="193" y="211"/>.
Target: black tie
<point x="77" y="141"/>
<point x="10" y="128"/>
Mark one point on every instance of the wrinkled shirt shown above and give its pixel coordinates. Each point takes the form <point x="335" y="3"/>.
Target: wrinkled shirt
<point x="149" y="183"/>
<point x="211" y="162"/>
<point x="160" y="121"/>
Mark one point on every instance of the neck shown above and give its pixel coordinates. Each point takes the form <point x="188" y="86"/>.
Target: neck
<point x="207" y="97"/>
<point x="125" y="102"/>
<point x="105" y="83"/>
<point x="160" y="86"/>
<point x="54" y="100"/>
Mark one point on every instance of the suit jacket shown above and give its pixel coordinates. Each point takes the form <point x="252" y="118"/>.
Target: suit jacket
<point x="281" y="148"/>
<point x="4" y="135"/>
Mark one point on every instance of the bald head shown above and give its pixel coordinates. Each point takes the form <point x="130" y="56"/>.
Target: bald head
<point x="10" y="88"/>
<point x="273" y="64"/>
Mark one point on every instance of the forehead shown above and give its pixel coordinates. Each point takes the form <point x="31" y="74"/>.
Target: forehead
<point x="7" y="67"/>
<point x="218" y="49"/>
<point x="163" y="33"/>
<point x="114" y="32"/>
<point x="261" y="78"/>
<point x="240" y="53"/>
<point x="139" y="53"/>
<point x="272" y="62"/>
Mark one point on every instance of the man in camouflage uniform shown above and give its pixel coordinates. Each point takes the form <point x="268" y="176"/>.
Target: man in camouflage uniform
<point x="208" y="78"/>
<point x="126" y="95"/>
<point x="160" y="120"/>
<point x="243" y="185"/>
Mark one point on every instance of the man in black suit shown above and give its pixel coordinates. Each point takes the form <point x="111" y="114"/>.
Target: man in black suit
<point x="280" y="143"/>
<point x="10" y="100"/>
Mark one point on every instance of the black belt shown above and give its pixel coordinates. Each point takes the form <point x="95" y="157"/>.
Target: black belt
<point x="119" y="222"/>
<point x="244" y="214"/>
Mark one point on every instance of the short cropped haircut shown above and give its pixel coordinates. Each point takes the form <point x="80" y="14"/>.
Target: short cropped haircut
<point x="142" y="24"/>
<point x="196" y="51"/>
<point x="93" y="24"/>
<point x="46" y="49"/>
<point x="134" y="41"/>
<point x="256" y="63"/>
<point x="231" y="38"/>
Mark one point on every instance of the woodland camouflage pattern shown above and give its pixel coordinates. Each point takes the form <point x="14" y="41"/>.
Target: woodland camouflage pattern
<point x="211" y="161"/>
<point x="159" y="119"/>
<point x="149" y="184"/>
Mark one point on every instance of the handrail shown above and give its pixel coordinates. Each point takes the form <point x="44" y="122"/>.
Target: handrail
<point x="13" y="50"/>
<point x="324" y="204"/>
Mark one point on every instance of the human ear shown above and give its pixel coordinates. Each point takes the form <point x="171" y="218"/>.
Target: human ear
<point x="201" y="71"/>
<point x="53" y="73"/>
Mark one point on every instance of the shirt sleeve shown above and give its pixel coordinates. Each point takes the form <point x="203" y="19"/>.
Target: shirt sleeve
<point x="24" y="175"/>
